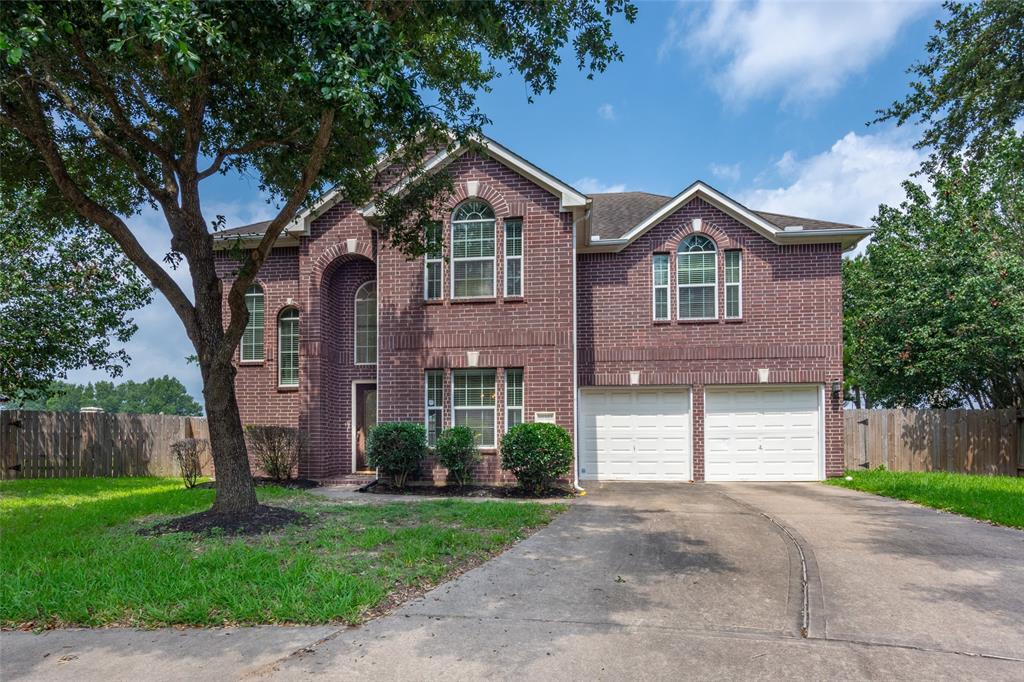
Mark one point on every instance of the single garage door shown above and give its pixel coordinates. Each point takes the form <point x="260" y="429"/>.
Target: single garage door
<point x="635" y="434"/>
<point x="763" y="434"/>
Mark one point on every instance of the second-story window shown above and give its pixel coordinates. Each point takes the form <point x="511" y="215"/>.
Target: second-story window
<point x="659" y="277"/>
<point x="697" y="275"/>
<point x="252" y="337"/>
<point x="433" y="264"/>
<point x="514" y="257"/>
<point x="366" y="324"/>
<point x="733" y="284"/>
<point x="473" y="250"/>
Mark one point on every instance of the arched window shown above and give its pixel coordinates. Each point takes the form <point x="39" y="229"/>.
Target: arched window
<point x="288" y="348"/>
<point x="697" y="275"/>
<point x="473" y="250"/>
<point x="252" y="337"/>
<point x="366" y="324"/>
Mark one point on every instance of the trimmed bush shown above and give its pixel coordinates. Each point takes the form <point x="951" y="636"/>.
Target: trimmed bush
<point x="276" y="449"/>
<point x="397" y="449"/>
<point x="537" y="455"/>
<point x="456" y="451"/>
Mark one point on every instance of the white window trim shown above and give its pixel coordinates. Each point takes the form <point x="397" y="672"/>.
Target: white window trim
<point x="667" y="287"/>
<point x="427" y="409"/>
<point x="521" y="408"/>
<point x="355" y="326"/>
<point x="522" y="251"/>
<point x="280" y="352"/>
<point x="679" y="299"/>
<point x="493" y="259"/>
<point x="492" y="408"/>
<point x="738" y="285"/>
<point x="263" y="358"/>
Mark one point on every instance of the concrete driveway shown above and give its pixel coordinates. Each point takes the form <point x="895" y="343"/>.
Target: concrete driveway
<point x="648" y="581"/>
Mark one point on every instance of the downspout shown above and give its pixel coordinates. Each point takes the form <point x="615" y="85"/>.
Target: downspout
<point x="575" y="381"/>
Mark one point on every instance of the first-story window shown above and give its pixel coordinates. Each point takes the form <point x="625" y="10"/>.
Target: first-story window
<point x="434" y="398"/>
<point x="252" y="337"/>
<point x="514" y="257"/>
<point x="432" y="264"/>
<point x="288" y="348"/>
<point x="733" y="284"/>
<point x="366" y="324"/>
<point x="473" y="398"/>
<point x="513" y="397"/>
<point x="659" y="276"/>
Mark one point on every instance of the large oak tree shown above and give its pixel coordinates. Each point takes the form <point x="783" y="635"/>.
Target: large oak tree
<point x="157" y="96"/>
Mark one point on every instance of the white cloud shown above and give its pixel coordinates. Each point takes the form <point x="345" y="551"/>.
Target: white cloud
<point x="846" y="183"/>
<point x="606" y="111"/>
<point x="595" y="186"/>
<point x="160" y="346"/>
<point x="802" y="50"/>
<point x="730" y="172"/>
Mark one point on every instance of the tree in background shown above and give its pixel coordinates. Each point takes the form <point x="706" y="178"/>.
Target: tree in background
<point x="163" y="395"/>
<point x="66" y="292"/>
<point x="969" y="92"/>
<point x="304" y="96"/>
<point x="934" y="315"/>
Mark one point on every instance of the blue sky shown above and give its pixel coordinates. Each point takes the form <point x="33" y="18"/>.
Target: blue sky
<point x="766" y="101"/>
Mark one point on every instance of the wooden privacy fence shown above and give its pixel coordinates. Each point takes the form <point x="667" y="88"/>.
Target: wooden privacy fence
<point x="963" y="441"/>
<point x="68" y="444"/>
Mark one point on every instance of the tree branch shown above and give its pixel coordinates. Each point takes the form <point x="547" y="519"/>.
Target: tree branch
<point x="35" y="128"/>
<point x="247" y="148"/>
<point x="255" y="258"/>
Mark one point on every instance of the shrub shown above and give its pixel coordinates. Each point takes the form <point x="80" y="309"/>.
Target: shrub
<point x="537" y="454"/>
<point x="396" y="449"/>
<point x="190" y="453"/>
<point x="276" y="449"/>
<point x="456" y="451"/>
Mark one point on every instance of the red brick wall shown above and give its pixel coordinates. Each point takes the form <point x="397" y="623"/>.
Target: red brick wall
<point x="533" y="332"/>
<point x="791" y="324"/>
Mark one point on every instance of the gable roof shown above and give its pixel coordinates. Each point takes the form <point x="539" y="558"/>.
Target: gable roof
<point x="610" y="221"/>
<point x="609" y="234"/>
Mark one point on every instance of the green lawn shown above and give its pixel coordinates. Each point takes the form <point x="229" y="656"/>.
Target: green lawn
<point x="71" y="555"/>
<point x="999" y="499"/>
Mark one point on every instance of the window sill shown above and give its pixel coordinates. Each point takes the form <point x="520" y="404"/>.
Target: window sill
<point x="733" y="320"/>
<point x="482" y="299"/>
<point x="251" y="363"/>
<point x="661" y="322"/>
<point x="287" y="389"/>
<point x="433" y="301"/>
<point x="711" y="320"/>
<point x="514" y="299"/>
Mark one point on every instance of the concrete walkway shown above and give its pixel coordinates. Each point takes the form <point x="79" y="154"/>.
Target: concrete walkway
<point x="647" y="581"/>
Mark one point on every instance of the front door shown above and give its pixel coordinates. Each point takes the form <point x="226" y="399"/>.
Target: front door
<point x="366" y="418"/>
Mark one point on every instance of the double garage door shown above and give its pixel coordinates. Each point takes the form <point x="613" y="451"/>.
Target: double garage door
<point x="751" y="434"/>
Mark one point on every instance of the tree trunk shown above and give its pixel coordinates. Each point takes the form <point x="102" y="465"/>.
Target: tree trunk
<point x="236" y="493"/>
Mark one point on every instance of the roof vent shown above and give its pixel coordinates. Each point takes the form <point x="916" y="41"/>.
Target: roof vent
<point x="793" y="228"/>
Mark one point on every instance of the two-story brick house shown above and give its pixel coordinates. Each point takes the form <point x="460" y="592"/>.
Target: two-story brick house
<point x="676" y="338"/>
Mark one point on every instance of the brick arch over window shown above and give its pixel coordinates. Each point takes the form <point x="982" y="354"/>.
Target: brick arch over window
<point x="338" y="254"/>
<point x="709" y="230"/>
<point x="485" y="191"/>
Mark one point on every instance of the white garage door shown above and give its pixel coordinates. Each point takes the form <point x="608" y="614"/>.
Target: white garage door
<point x="635" y="434"/>
<point x="762" y="434"/>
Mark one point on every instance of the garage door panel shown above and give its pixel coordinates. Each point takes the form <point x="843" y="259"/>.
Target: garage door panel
<point x="762" y="434"/>
<point x="635" y="434"/>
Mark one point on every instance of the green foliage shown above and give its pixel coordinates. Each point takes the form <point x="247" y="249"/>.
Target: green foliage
<point x="537" y="454"/>
<point x="969" y="92"/>
<point x="457" y="452"/>
<point x="189" y="453"/>
<point x="998" y="499"/>
<point x="163" y="395"/>
<point x="396" y="449"/>
<point x="99" y="571"/>
<point x="934" y="314"/>
<point x="66" y="294"/>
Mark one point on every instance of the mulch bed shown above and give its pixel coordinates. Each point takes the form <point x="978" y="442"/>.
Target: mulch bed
<point x="297" y="483"/>
<point x="264" y="520"/>
<point x="500" y="492"/>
